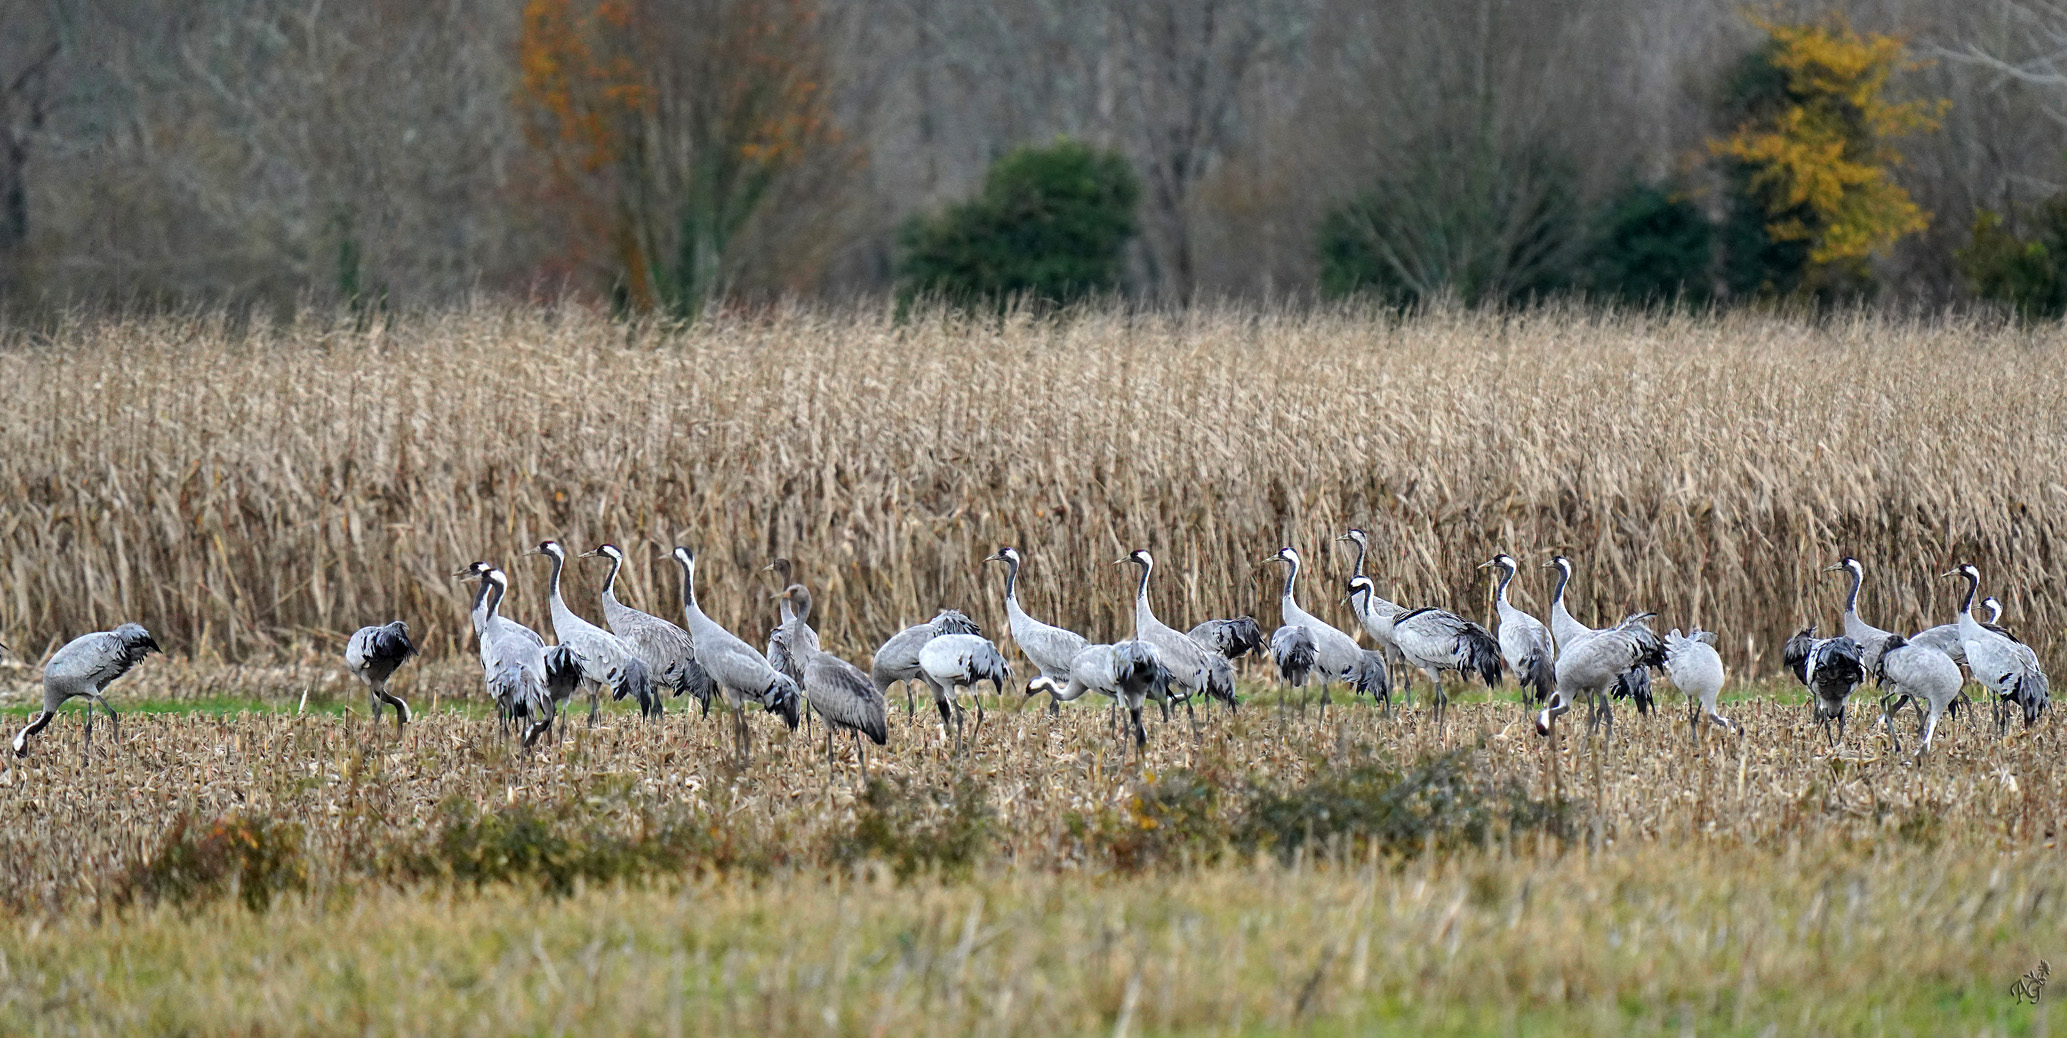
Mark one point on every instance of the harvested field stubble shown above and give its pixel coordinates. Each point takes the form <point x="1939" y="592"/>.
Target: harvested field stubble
<point x="244" y="494"/>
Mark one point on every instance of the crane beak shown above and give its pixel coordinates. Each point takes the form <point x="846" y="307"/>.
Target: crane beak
<point x="1121" y="562"/>
<point x="1486" y="563"/>
<point x="1950" y="573"/>
<point x="1833" y="569"/>
<point x="588" y="555"/>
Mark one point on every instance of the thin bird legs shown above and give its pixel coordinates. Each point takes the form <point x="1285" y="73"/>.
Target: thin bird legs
<point x="49" y="713"/>
<point x="859" y="751"/>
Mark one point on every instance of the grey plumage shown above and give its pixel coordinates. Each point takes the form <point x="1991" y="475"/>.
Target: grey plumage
<point x="1052" y="650"/>
<point x="1696" y="669"/>
<point x="1830" y="668"/>
<point x="839" y="693"/>
<point x="1437" y="640"/>
<point x="1568" y="633"/>
<point x="1592" y="664"/>
<point x="1128" y="672"/>
<point x="1525" y="643"/>
<point x="1337" y="656"/>
<point x="2001" y="664"/>
<point x="515" y="663"/>
<point x="1871" y="640"/>
<point x="781" y="655"/>
<point x="668" y="651"/>
<point x="897" y="659"/>
<point x="954" y="661"/>
<point x="1375" y="614"/>
<point x="84" y="668"/>
<point x="739" y="672"/>
<point x="1919" y="674"/>
<point x="372" y="655"/>
<point x="1292" y="649"/>
<point x="1230" y="639"/>
<point x="606" y="661"/>
<point x="1194" y="669"/>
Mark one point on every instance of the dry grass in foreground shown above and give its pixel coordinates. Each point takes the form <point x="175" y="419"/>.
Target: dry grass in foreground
<point x="245" y="493"/>
<point x="273" y="874"/>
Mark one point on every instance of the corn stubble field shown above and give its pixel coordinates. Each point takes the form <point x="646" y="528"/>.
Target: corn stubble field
<point x="254" y="494"/>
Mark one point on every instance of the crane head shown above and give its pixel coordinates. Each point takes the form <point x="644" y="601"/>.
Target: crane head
<point x="551" y="550"/>
<point x="1967" y="570"/>
<point x="1285" y="554"/>
<point x="1007" y="554"/>
<point x="1356" y="536"/>
<point x="1139" y="557"/>
<point x="1502" y="561"/>
<point x="1561" y="563"/>
<point x="605" y="551"/>
<point x="1359" y="585"/>
<point x="475" y="569"/>
<point x="1848" y="565"/>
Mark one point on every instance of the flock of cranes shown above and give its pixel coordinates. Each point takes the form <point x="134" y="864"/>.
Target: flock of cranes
<point x="637" y="654"/>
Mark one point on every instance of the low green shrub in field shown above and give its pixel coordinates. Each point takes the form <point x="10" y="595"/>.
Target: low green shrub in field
<point x="915" y="828"/>
<point x="1165" y="819"/>
<point x="596" y="839"/>
<point x="250" y="857"/>
<point x="1439" y="803"/>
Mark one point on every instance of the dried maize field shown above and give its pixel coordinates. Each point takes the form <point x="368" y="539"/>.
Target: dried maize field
<point x="254" y="857"/>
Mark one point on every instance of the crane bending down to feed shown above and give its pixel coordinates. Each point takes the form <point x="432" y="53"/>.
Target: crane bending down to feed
<point x="1128" y="672"/>
<point x="606" y="661"/>
<point x="837" y="690"/>
<point x="1335" y="655"/>
<point x="1830" y="668"/>
<point x="373" y="655"/>
<point x="953" y="662"/>
<point x="897" y="660"/>
<point x="1049" y="648"/>
<point x="667" y="650"/>
<point x="1525" y="643"/>
<point x="1919" y="674"/>
<point x="739" y="672"/>
<point x="85" y="667"/>
<point x="1696" y="669"/>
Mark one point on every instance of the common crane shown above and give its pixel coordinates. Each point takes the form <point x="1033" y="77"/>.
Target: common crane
<point x="1594" y="664"/>
<point x="1525" y="643"/>
<point x="1230" y="639"/>
<point x="836" y="689"/>
<point x="1920" y="674"/>
<point x="781" y="655"/>
<point x="1194" y="669"/>
<point x="1050" y="649"/>
<point x="898" y="658"/>
<point x="1129" y="672"/>
<point x="1336" y="655"/>
<point x="1999" y="663"/>
<point x="372" y="655"/>
<point x="1871" y="640"/>
<point x="606" y="661"/>
<point x="1567" y="631"/>
<point x="85" y="667"/>
<point x="739" y="672"/>
<point x="1374" y="613"/>
<point x="1696" y="669"/>
<point x="1830" y="668"/>
<point x="667" y="650"/>
<point x="1437" y="640"/>
<point x="952" y="662"/>
<point x="525" y="679"/>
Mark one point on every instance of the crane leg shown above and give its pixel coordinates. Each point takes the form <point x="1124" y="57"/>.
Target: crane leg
<point x="862" y="752"/>
<point x="1165" y="704"/>
<point x="595" y="702"/>
<point x="1140" y="733"/>
<point x="114" y="723"/>
<point x="910" y="705"/>
<point x="828" y="758"/>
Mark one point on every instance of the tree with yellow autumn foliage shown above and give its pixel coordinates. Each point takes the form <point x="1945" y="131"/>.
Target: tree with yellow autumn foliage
<point x="1810" y="162"/>
<point x="661" y="126"/>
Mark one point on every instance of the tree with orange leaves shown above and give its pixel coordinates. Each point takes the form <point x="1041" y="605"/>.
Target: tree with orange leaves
<point x="661" y="126"/>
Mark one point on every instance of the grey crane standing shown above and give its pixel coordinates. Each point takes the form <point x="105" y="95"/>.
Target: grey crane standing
<point x="606" y="661"/>
<point x="739" y="672"/>
<point x="1567" y="631"/>
<point x="1525" y="644"/>
<point x="667" y="650"/>
<point x="781" y="655"/>
<point x="1591" y="665"/>
<point x="1375" y="615"/>
<point x="1696" y="669"/>
<point x="526" y="679"/>
<point x="1999" y="663"/>
<point x="372" y="655"/>
<point x="1128" y="672"/>
<point x="1830" y="668"/>
<point x="85" y="667"/>
<point x="836" y="689"/>
<point x="1050" y="649"/>
<point x="953" y="662"/>
<point x="1336" y="655"/>
<point x="1870" y="639"/>
<point x="1194" y="669"/>
<point x="1437" y="640"/>
<point x="898" y="658"/>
